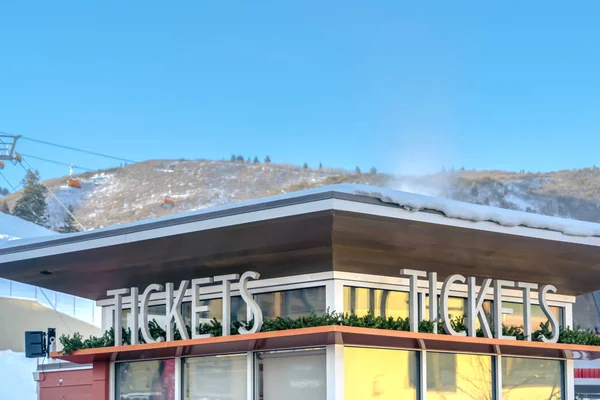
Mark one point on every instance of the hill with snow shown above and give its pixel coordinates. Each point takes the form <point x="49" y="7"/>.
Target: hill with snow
<point x="135" y="192"/>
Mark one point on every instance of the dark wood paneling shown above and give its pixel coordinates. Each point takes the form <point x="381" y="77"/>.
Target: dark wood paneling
<point x="286" y="246"/>
<point x="377" y="245"/>
<point x="312" y="243"/>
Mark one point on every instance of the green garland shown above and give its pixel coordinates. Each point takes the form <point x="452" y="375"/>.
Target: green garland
<point x="566" y="335"/>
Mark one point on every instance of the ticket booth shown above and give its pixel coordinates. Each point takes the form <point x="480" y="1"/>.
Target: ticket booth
<point x="369" y="254"/>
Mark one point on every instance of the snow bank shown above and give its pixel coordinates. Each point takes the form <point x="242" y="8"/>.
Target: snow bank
<point x="449" y="208"/>
<point x="475" y="212"/>
<point x="16" y="376"/>
<point x="452" y="209"/>
<point x="12" y="228"/>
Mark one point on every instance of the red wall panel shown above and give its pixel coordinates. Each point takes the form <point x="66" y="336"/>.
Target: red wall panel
<point x="66" y="385"/>
<point x="587" y="373"/>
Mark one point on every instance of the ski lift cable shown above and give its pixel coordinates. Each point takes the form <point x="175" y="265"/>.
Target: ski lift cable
<point x="76" y="149"/>
<point x="51" y="192"/>
<point x="103" y="155"/>
<point x="55" y="310"/>
<point x="273" y="167"/>
<point x="56" y="162"/>
<point x="7" y="181"/>
<point x="14" y="190"/>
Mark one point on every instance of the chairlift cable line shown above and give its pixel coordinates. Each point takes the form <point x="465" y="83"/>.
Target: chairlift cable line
<point x="33" y="212"/>
<point x="273" y="167"/>
<point x="36" y="214"/>
<point x="51" y="192"/>
<point x="14" y="191"/>
<point x="29" y="206"/>
<point x="76" y="149"/>
<point x="7" y="181"/>
<point x="56" y="162"/>
<point x="55" y="310"/>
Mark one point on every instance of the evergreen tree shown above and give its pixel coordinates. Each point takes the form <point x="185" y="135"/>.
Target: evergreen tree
<point x="233" y="158"/>
<point x="320" y="166"/>
<point x="305" y="166"/>
<point x="240" y="158"/>
<point x="69" y="224"/>
<point x="248" y="160"/>
<point x="5" y="208"/>
<point x="256" y="161"/>
<point x="357" y="171"/>
<point x="267" y="160"/>
<point x="32" y="205"/>
<point x="373" y="171"/>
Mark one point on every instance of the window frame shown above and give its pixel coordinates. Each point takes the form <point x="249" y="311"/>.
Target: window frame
<point x="314" y="349"/>
<point x="334" y="283"/>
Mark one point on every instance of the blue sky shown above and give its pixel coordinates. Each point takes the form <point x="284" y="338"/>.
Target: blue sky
<point x="403" y="86"/>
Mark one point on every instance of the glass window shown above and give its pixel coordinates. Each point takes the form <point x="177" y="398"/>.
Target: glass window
<point x="457" y="307"/>
<point x="379" y="374"/>
<point x="292" y="303"/>
<point x="64" y="301"/>
<point x="458" y="376"/>
<point x="537" y="315"/>
<point x="154" y="312"/>
<point x="215" y="309"/>
<point x="586" y="311"/>
<point x="218" y="377"/>
<point x="151" y="380"/>
<point x="384" y="303"/>
<point x="292" y="375"/>
<point x="531" y="379"/>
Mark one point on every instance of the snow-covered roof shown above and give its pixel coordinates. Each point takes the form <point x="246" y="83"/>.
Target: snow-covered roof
<point x="417" y="202"/>
<point x="451" y="209"/>
<point x="13" y="228"/>
<point x="129" y="248"/>
<point x="475" y="212"/>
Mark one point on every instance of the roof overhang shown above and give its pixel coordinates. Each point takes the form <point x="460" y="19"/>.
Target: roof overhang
<point x="327" y="335"/>
<point x="308" y="233"/>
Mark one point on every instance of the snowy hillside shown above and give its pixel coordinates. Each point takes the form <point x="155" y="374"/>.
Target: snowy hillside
<point x="135" y="192"/>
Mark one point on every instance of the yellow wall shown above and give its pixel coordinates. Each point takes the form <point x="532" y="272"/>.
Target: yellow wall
<point x="530" y="379"/>
<point x="394" y="304"/>
<point x="371" y="373"/>
<point x="472" y="376"/>
<point x="379" y="374"/>
<point x="532" y="393"/>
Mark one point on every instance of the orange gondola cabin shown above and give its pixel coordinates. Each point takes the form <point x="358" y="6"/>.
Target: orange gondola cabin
<point x="74" y="183"/>
<point x="167" y="203"/>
